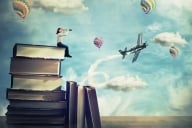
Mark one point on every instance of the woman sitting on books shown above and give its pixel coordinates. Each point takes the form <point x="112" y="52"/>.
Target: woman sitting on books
<point x="60" y="34"/>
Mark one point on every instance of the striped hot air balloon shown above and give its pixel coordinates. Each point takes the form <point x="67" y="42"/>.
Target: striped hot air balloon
<point x="174" y="51"/>
<point x="147" y="5"/>
<point x="22" y="7"/>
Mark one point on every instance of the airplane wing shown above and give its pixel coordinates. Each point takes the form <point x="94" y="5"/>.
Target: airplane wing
<point x="139" y="40"/>
<point x="135" y="56"/>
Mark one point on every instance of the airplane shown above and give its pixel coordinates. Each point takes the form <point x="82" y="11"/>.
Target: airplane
<point x="136" y="49"/>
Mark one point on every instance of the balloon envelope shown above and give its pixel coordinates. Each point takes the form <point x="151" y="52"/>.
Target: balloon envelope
<point x="174" y="51"/>
<point x="22" y="7"/>
<point x="98" y="42"/>
<point x="147" y="5"/>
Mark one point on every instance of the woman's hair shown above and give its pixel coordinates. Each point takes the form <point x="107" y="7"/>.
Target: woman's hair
<point x="58" y="30"/>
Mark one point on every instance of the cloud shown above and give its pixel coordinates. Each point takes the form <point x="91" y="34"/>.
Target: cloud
<point x="154" y="27"/>
<point x="180" y="97"/>
<point x="117" y="83"/>
<point x="3" y="109"/>
<point x="169" y="39"/>
<point x="61" y="6"/>
<point x="125" y="83"/>
<point x="92" y="73"/>
<point x="180" y="11"/>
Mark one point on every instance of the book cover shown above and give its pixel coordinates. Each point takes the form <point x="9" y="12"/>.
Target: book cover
<point x="71" y="96"/>
<point x="35" y="82"/>
<point x="25" y="66"/>
<point x="92" y="113"/>
<point x="38" y="51"/>
<point x="81" y="107"/>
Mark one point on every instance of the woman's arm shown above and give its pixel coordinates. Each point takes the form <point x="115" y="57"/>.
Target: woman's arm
<point x="64" y="33"/>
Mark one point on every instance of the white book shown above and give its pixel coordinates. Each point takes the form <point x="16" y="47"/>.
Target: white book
<point x="38" y="51"/>
<point x="34" y="82"/>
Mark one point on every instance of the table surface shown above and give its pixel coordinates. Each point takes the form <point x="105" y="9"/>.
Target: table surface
<point x="129" y="122"/>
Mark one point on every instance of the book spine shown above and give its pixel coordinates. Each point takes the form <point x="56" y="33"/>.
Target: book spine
<point x="92" y="114"/>
<point x="71" y="96"/>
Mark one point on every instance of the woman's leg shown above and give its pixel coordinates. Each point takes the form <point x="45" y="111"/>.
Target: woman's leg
<point x="66" y="49"/>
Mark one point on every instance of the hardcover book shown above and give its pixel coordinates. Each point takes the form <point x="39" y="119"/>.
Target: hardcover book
<point x="22" y="66"/>
<point x="34" y="82"/>
<point x="92" y="114"/>
<point x="34" y="111"/>
<point x="81" y="107"/>
<point x="38" y="51"/>
<point x="38" y="104"/>
<point x="71" y="96"/>
<point x="21" y="94"/>
<point x="52" y="120"/>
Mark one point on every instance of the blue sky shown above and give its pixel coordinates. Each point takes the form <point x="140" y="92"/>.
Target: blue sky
<point x="156" y="84"/>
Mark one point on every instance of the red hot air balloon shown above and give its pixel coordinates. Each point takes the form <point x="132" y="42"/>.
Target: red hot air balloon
<point x="98" y="42"/>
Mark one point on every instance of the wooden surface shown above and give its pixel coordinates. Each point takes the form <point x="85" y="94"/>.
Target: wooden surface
<point x="131" y="122"/>
<point x="147" y="122"/>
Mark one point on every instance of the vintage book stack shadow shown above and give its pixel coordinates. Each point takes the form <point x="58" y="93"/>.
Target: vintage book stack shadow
<point x="35" y="96"/>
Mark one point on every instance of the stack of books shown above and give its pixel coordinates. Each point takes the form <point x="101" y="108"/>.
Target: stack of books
<point x="36" y="99"/>
<point x="35" y="96"/>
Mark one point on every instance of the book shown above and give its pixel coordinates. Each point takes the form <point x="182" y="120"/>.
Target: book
<point x="38" y="104"/>
<point x="92" y="114"/>
<point x="71" y="96"/>
<point x="52" y="120"/>
<point x="38" y="51"/>
<point x="33" y="126"/>
<point x="21" y="94"/>
<point x="35" y="82"/>
<point x="21" y="111"/>
<point x="25" y="66"/>
<point x="81" y="107"/>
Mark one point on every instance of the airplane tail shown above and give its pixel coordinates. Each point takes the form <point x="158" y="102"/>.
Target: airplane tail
<point x="123" y="53"/>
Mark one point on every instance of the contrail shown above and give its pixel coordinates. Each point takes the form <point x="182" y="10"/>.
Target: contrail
<point x="92" y="71"/>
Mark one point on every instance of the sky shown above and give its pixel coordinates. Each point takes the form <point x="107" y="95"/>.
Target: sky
<point x="156" y="84"/>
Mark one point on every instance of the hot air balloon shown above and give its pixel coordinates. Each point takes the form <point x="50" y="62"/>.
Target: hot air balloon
<point x="98" y="42"/>
<point x="22" y="7"/>
<point x="174" y="51"/>
<point x="147" y="5"/>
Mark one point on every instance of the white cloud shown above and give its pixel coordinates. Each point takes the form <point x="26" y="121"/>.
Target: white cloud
<point x="62" y="6"/>
<point x="92" y="73"/>
<point x="105" y="102"/>
<point x="125" y="83"/>
<point x="180" y="97"/>
<point x="3" y="110"/>
<point x="154" y="27"/>
<point x="118" y="83"/>
<point x="171" y="6"/>
<point x="169" y="39"/>
<point x="178" y="10"/>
